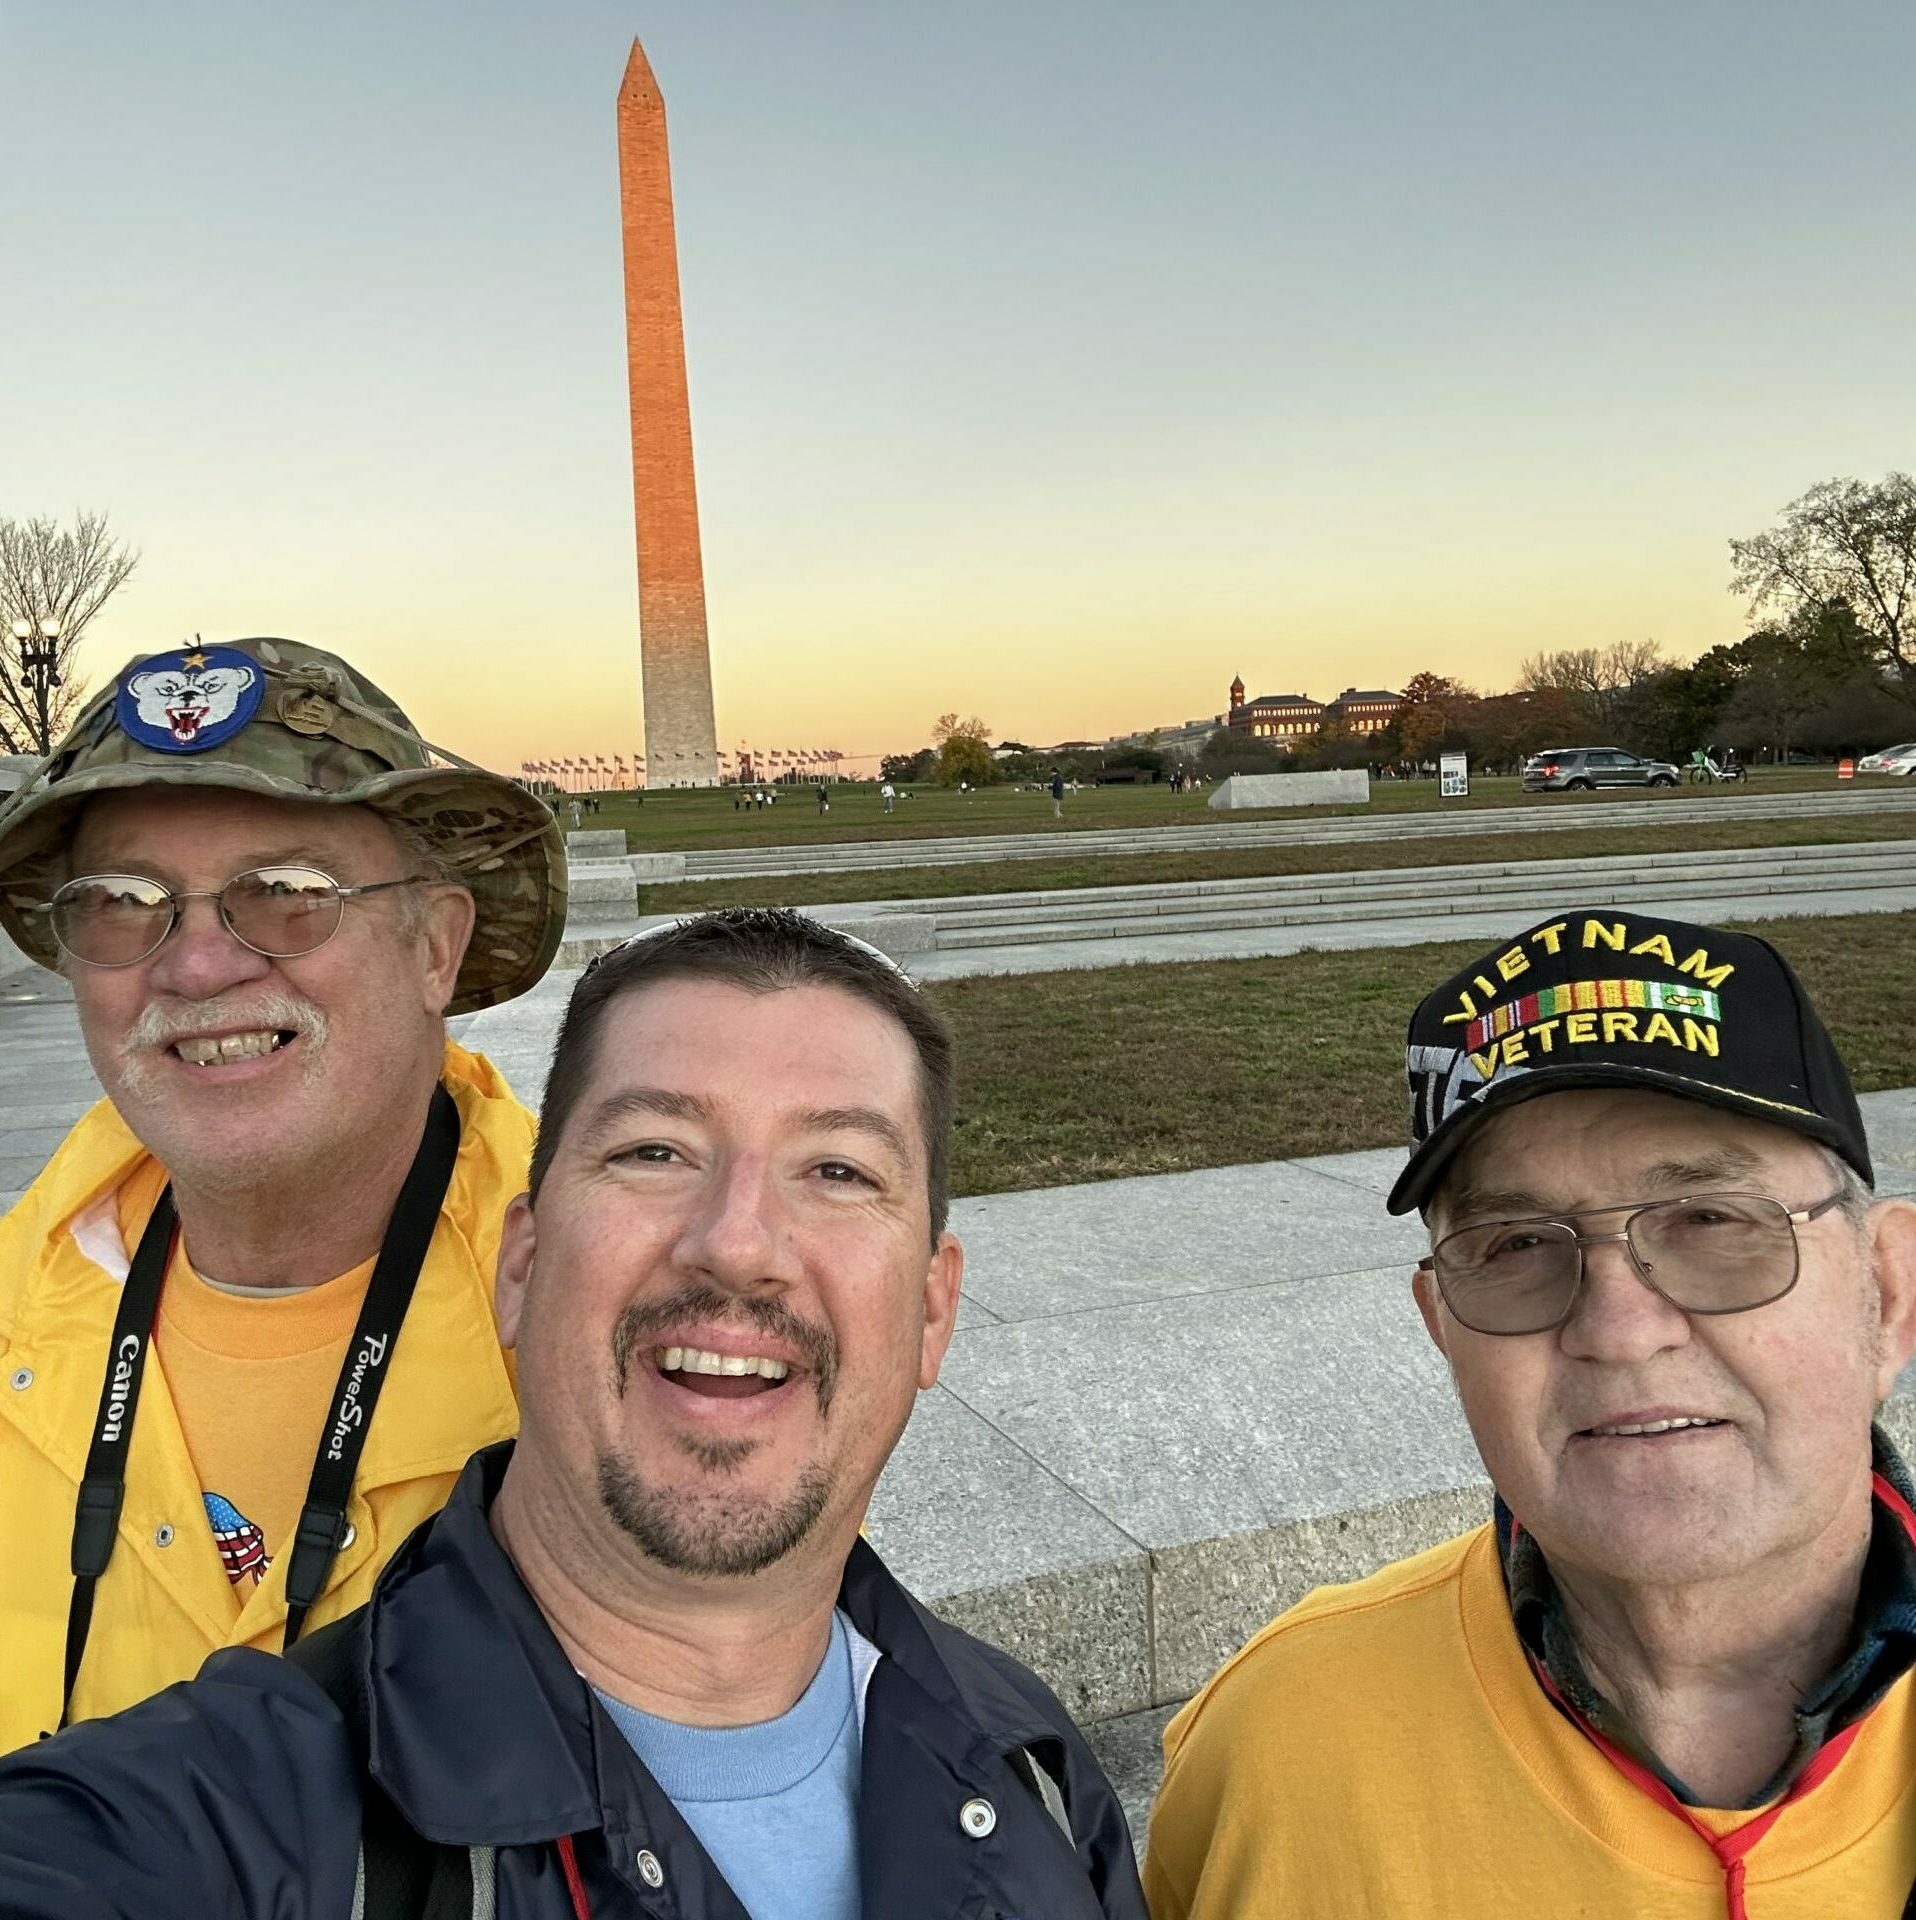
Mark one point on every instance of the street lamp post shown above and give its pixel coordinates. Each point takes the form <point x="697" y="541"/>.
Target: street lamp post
<point x="40" y="665"/>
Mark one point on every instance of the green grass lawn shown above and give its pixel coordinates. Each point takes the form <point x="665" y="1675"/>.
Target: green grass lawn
<point x="678" y="820"/>
<point x="1233" y="863"/>
<point x="1158" y="1069"/>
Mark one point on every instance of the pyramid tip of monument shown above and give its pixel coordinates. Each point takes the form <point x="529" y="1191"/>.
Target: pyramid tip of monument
<point x="638" y="70"/>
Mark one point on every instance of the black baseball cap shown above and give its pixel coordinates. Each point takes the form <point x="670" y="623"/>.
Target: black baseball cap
<point x="1603" y="997"/>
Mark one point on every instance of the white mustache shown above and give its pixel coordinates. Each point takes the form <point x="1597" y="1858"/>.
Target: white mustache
<point x="163" y="1022"/>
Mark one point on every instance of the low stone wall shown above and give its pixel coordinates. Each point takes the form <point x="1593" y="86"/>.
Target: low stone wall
<point x="1337" y="788"/>
<point x="604" y="891"/>
<point x="893" y="934"/>
<point x="596" y="843"/>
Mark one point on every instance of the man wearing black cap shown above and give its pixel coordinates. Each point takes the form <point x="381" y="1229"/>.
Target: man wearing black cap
<point x="1672" y="1676"/>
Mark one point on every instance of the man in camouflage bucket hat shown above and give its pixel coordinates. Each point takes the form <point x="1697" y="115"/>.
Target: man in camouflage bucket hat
<point x="321" y="732"/>
<point x="267" y="894"/>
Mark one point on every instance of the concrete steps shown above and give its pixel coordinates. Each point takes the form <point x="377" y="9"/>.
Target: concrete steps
<point x="1217" y="906"/>
<point x="1063" y="844"/>
<point x="1204" y="919"/>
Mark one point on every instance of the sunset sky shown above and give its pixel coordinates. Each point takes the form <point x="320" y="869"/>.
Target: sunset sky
<point x="1051" y="360"/>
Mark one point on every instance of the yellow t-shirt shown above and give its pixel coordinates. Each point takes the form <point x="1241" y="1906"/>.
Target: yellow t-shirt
<point x="1384" y="1749"/>
<point x="167" y="1600"/>
<point x="241" y="1370"/>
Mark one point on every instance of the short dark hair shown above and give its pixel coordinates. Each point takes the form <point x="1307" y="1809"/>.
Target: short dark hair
<point x="763" y="950"/>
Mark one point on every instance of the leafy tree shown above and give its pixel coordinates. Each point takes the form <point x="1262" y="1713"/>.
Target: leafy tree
<point x="1680" y="708"/>
<point x="1785" y="676"/>
<point x="967" y="762"/>
<point x="1503" y="729"/>
<point x="964" y="751"/>
<point x="53" y="582"/>
<point x="1026" y="764"/>
<point x="1867" y="713"/>
<point x="1843" y="540"/>
<point x="1763" y="690"/>
<point x="1233" y="750"/>
<point x="1335" y="744"/>
<point x="1775" y="693"/>
<point x="1147" y="759"/>
<point x="901" y="768"/>
<point x="1432" y="710"/>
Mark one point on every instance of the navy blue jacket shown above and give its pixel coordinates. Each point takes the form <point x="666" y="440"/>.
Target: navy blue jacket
<point x="237" y="1794"/>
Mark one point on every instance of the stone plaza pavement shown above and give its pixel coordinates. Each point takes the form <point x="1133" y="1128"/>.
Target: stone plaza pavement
<point x="1173" y="1405"/>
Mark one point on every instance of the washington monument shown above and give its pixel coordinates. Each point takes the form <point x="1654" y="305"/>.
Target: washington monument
<point x="675" y="667"/>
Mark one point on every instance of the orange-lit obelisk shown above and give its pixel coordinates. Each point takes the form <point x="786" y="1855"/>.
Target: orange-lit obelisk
<point x="675" y="667"/>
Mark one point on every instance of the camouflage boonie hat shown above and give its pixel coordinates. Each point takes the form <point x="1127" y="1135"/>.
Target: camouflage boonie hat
<point x="288" y="722"/>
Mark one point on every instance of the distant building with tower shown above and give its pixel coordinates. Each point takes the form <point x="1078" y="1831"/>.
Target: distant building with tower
<point x="1289" y="719"/>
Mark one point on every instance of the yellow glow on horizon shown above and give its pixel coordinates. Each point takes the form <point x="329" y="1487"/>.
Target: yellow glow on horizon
<point x="865" y="660"/>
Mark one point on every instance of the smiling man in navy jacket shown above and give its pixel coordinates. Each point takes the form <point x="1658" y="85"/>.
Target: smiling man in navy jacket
<point x="643" y="1663"/>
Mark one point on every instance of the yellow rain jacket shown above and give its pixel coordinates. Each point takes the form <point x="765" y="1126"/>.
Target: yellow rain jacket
<point x="165" y="1601"/>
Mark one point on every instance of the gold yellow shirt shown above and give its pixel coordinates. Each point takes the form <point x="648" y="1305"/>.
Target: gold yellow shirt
<point x="1384" y="1749"/>
<point x="168" y="1600"/>
<point x="252" y="1378"/>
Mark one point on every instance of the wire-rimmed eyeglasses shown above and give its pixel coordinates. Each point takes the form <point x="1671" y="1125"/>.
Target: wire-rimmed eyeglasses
<point x="119" y="919"/>
<point x="1703" y="1253"/>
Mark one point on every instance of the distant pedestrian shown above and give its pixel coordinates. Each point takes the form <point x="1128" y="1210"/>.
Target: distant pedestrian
<point x="1057" y="794"/>
<point x="889" y="794"/>
<point x="824" y="800"/>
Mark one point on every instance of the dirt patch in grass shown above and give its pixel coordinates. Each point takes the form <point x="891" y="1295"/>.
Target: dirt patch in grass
<point x="1235" y="863"/>
<point x="1095" y="1075"/>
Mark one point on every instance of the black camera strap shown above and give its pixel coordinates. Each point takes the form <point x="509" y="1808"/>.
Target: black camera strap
<point x="362" y="1375"/>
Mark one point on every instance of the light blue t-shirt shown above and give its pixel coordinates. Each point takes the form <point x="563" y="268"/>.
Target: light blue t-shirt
<point x="776" y="1804"/>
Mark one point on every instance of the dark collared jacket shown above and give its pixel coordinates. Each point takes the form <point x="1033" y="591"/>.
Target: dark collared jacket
<point x="238" y="1793"/>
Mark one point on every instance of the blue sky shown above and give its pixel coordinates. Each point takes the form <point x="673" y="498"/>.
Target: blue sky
<point x="1052" y="361"/>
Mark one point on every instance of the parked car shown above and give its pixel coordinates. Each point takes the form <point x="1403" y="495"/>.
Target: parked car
<point x="1578" y="769"/>
<point x="1891" y="760"/>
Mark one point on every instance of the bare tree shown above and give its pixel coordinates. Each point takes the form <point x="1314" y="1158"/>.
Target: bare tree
<point x="1625" y="662"/>
<point x="53" y="580"/>
<point x="1597" y="680"/>
<point x="1843" y="540"/>
<point x="1571" y="671"/>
